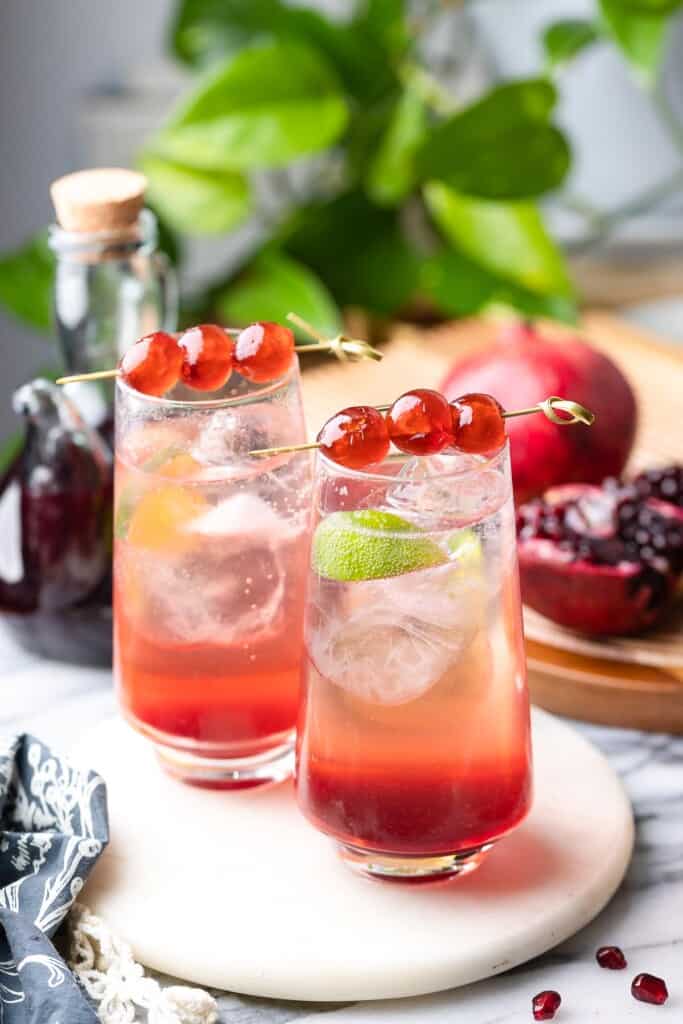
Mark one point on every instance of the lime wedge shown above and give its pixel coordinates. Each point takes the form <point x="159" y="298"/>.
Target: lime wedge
<point x="367" y="545"/>
<point x="465" y="550"/>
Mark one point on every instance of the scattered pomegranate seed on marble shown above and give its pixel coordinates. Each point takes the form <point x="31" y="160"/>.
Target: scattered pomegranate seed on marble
<point x="649" y="989"/>
<point x="546" y="1004"/>
<point x="611" y="957"/>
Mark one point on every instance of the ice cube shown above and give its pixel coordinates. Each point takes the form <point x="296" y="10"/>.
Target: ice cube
<point x="446" y="489"/>
<point x="228" y="435"/>
<point x="229" y="587"/>
<point x="381" y="658"/>
<point x="225" y="599"/>
<point x="227" y="438"/>
<point x="241" y="515"/>
<point x="449" y="597"/>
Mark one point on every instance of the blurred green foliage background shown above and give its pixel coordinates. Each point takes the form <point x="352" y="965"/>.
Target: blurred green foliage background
<point x="396" y="197"/>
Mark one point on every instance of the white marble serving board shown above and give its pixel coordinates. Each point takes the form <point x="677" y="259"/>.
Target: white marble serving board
<point x="236" y="891"/>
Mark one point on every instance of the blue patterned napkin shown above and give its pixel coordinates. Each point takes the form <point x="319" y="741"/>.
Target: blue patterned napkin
<point x="53" y="827"/>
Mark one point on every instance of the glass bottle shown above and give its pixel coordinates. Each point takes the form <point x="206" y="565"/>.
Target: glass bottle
<point x="55" y="518"/>
<point x="112" y="286"/>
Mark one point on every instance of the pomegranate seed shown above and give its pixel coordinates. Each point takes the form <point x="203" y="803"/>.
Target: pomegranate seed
<point x="546" y="1004"/>
<point x="152" y="365"/>
<point x="356" y="437"/>
<point x="420" y="423"/>
<point x="649" y="989"/>
<point x="207" y="357"/>
<point x="478" y="424"/>
<point x="263" y="351"/>
<point x="611" y="957"/>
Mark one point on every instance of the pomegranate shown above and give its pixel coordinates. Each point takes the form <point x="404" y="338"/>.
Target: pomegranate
<point x="521" y="369"/>
<point x="602" y="560"/>
<point x="665" y="483"/>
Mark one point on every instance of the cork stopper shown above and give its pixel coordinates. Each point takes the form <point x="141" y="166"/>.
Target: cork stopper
<point x="102" y="199"/>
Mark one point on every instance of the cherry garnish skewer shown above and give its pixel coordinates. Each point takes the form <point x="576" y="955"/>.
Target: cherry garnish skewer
<point x="345" y="349"/>
<point x="552" y="408"/>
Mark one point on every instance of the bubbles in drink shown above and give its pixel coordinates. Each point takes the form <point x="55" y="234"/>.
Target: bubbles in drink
<point x="228" y="437"/>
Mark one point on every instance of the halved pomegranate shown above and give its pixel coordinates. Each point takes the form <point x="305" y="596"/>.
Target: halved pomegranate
<point x="665" y="483"/>
<point x="602" y="560"/>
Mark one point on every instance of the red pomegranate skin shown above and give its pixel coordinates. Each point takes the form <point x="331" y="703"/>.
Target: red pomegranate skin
<point x="602" y="600"/>
<point x="522" y="368"/>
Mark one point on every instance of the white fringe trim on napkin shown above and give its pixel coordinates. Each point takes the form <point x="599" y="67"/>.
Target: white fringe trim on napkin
<point x="105" y="967"/>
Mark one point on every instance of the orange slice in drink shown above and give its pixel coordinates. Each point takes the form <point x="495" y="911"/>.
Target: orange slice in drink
<point x="161" y="517"/>
<point x="179" y="467"/>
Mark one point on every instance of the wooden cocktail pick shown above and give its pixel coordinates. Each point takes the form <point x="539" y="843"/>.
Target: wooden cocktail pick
<point x="551" y="407"/>
<point x="344" y="348"/>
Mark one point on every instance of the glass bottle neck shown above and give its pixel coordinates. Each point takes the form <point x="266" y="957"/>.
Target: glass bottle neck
<point x="101" y="246"/>
<point x="110" y="289"/>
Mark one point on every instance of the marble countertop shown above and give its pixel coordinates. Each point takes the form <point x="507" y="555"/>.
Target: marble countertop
<point x="645" y="918"/>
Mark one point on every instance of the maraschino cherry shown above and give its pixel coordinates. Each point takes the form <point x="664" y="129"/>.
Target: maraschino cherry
<point x="153" y="364"/>
<point x="205" y="356"/>
<point x="207" y="352"/>
<point x="263" y="351"/>
<point x="478" y="424"/>
<point x="355" y="438"/>
<point x="419" y="422"/>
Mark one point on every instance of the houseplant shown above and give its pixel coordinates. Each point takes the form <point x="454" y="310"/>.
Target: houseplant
<point x="391" y="191"/>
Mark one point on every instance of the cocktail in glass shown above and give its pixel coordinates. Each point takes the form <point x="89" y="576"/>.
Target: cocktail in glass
<point x="414" y="746"/>
<point x="211" y="554"/>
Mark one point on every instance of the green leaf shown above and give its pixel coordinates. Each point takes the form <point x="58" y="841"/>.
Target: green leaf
<point x="391" y="174"/>
<point x="460" y="287"/>
<point x="194" y="201"/>
<point x="359" y="251"/>
<point x="9" y="449"/>
<point x="640" y="36"/>
<point x="26" y="280"/>
<point x="267" y="106"/>
<point x="168" y="240"/>
<point x="651" y="6"/>
<point x="501" y="147"/>
<point x="507" y="239"/>
<point x="563" y="40"/>
<point x="386" y="21"/>
<point x="274" y="285"/>
<point x="205" y="31"/>
<point x="365" y="134"/>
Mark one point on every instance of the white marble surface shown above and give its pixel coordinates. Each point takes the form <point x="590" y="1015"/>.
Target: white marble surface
<point x="645" y="918"/>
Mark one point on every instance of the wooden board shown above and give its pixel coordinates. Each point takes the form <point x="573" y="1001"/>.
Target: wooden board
<point x="608" y="692"/>
<point x="637" y="683"/>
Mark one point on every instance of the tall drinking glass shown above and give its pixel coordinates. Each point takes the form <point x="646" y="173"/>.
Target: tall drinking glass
<point x="211" y="554"/>
<point x="414" y="749"/>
